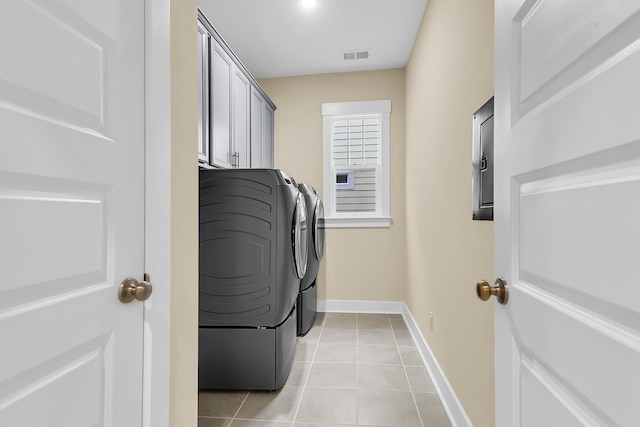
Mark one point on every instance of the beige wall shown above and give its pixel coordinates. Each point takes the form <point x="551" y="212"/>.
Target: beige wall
<point x="183" y="409"/>
<point x="364" y="263"/>
<point x="450" y="75"/>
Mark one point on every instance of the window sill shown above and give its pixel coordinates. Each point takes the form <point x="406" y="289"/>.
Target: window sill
<point x="377" y="222"/>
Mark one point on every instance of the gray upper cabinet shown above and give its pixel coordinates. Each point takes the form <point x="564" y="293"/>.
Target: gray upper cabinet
<point x="221" y="98"/>
<point x="241" y="119"/>
<point x="261" y="131"/>
<point x="204" y="43"/>
<point x="267" y="135"/>
<point x="236" y="116"/>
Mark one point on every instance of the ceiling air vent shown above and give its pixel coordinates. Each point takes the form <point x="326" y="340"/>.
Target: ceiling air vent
<point x="355" y="54"/>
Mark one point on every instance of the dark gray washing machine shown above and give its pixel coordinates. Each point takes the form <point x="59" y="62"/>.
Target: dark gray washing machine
<point x="307" y="306"/>
<point x="253" y="253"/>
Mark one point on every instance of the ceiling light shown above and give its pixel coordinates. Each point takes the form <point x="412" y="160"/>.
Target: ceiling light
<point x="308" y="4"/>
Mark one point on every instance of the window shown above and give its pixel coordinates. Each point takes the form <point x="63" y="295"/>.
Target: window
<point x="356" y="163"/>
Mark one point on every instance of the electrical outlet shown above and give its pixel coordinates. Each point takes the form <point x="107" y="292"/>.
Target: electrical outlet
<point x="431" y="321"/>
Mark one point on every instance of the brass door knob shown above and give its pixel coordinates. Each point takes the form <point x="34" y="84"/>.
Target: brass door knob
<point x="500" y="290"/>
<point x="131" y="289"/>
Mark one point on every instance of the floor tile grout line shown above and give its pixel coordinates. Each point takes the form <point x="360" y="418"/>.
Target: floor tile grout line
<point x="404" y="368"/>
<point x="210" y="417"/>
<point x="239" y="407"/>
<point x="306" y="379"/>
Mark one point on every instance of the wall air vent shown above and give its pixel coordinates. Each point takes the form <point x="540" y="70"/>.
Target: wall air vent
<point x="355" y="54"/>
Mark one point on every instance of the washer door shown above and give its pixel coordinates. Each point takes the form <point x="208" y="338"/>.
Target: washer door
<point x="300" y="236"/>
<point x="318" y="229"/>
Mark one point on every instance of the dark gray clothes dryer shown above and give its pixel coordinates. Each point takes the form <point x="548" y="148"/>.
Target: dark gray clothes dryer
<point x="308" y="296"/>
<point x="253" y="253"/>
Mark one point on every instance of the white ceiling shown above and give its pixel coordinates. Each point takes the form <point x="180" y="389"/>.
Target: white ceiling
<point x="277" y="38"/>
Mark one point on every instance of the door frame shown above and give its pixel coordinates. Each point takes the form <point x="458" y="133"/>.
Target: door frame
<point x="157" y="314"/>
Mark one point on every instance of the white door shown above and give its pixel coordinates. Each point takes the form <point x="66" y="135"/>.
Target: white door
<point x="71" y="211"/>
<point x="567" y="212"/>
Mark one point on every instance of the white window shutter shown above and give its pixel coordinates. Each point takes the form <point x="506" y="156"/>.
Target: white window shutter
<point x="356" y="141"/>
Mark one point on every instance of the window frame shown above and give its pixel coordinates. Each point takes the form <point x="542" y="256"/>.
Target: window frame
<point x="344" y="110"/>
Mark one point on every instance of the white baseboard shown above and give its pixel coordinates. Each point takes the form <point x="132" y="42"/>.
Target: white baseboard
<point x="346" y="306"/>
<point x="452" y="405"/>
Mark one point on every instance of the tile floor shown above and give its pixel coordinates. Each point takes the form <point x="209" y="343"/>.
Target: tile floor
<point x="349" y="370"/>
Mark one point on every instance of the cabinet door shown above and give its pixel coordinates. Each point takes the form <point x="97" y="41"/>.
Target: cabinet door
<point x="221" y="92"/>
<point x="261" y="131"/>
<point x="204" y="43"/>
<point x="241" y="100"/>
<point x="267" y="136"/>
<point x="257" y="108"/>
